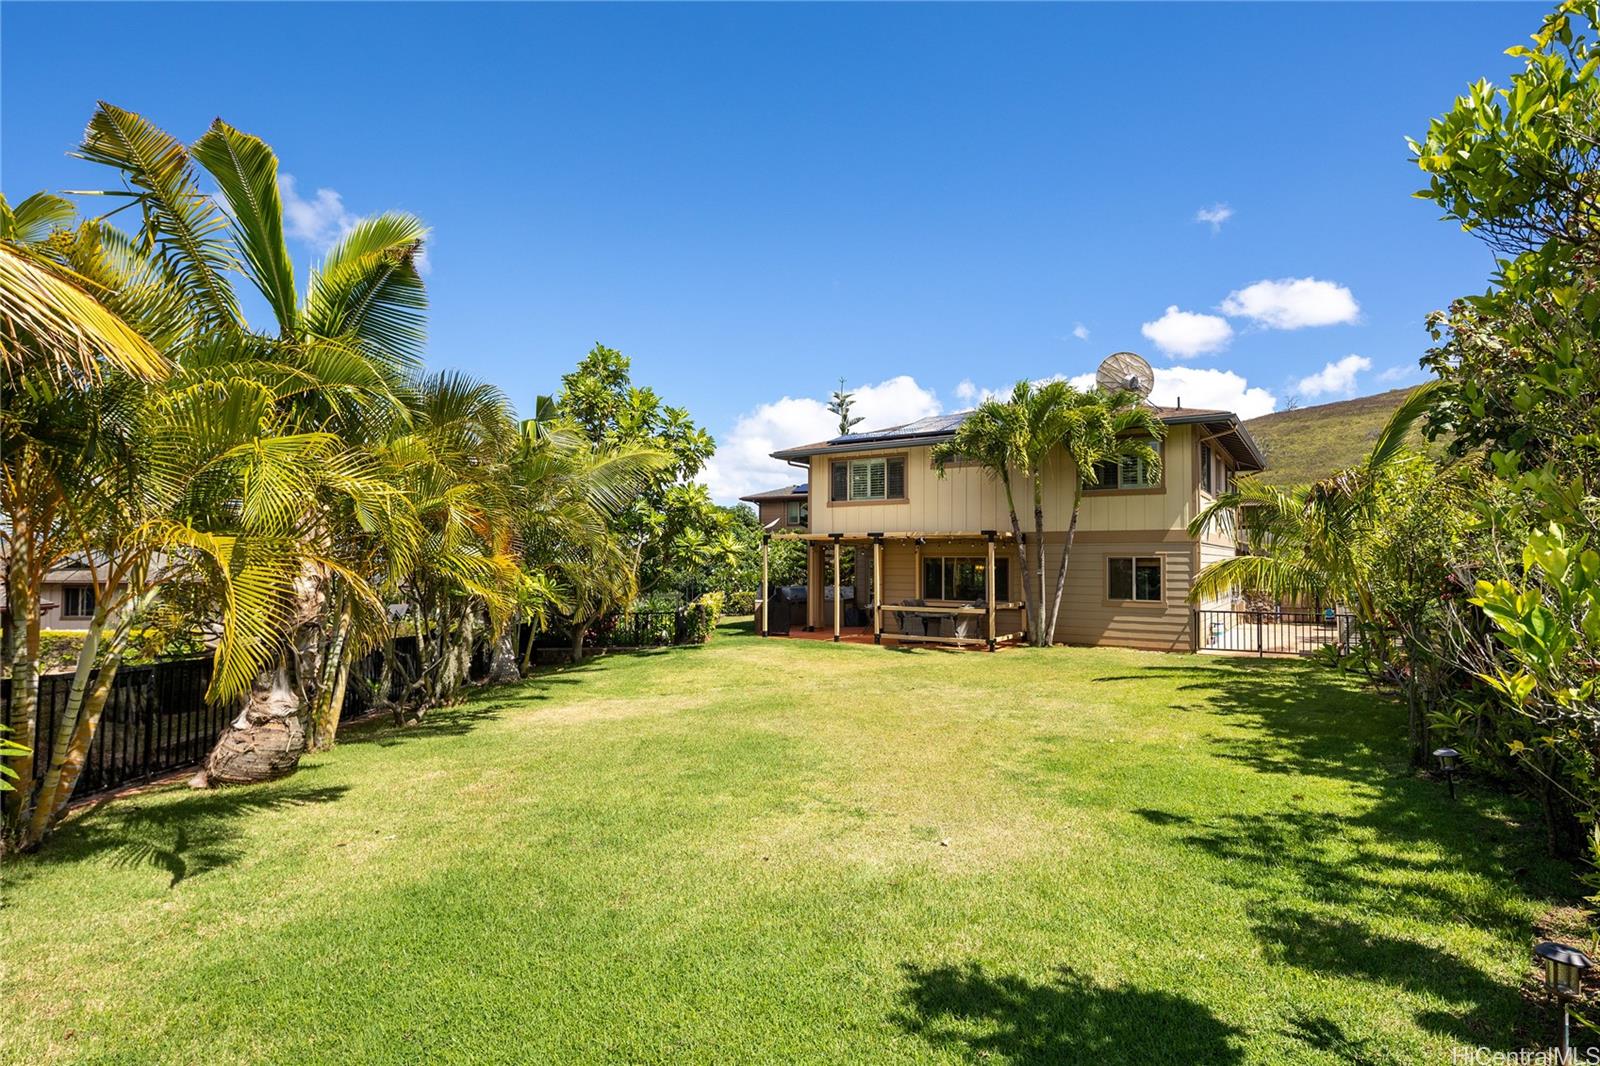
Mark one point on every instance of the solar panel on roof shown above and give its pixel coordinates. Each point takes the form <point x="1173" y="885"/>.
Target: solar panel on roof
<point x="921" y="427"/>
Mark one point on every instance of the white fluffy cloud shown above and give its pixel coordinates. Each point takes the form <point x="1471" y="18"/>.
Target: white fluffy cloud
<point x="1293" y="303"/>
<point x="743" y="463"/>
<point x="1208" y="387"/>
<point x="1080" y="331"/>
<point x="1334" y="378"/>
<point x="318" y="221"/>
<point x="1186" y="334"/>
<point x="1214" y="216"/>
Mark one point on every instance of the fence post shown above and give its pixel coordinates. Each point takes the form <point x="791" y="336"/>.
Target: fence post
<point x="1260" y="650"/>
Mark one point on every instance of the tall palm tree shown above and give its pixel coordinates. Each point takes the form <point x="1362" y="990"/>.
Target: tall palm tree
<point x="1095" y="428"/>
<point x="995" y="436"/>
<point x="339" y="357"/>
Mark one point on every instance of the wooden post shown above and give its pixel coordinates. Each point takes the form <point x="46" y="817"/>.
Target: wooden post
<point x="813" y="587"/>
<point x="766" y="593"/>
<point x="989" y="576"/>
<point x="838" y="602"/>
<point x="877" y="589"/>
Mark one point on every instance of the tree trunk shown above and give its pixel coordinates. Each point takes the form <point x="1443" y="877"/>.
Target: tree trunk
<point x="1022" y="551"/>
<point x="503" y="670"/>
<point x="53" y="802"/>
<point x="1066" y="554"/>
<point x="1045" y="634"/>
<point x="579" y="630"/>
<point x="527" y="653"/>
<point x="266" y="740"/>
<point x="330" y="695"/>
<point x="23" y="658"/>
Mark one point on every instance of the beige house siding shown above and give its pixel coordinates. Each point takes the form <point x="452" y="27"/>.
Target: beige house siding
<point x="1208" y="553"/>
<point x="967" y="499"/>
<point x="1089" y="617"/>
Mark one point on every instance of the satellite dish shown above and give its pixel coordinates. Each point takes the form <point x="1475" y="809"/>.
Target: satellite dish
<point x="1125" y="371"/>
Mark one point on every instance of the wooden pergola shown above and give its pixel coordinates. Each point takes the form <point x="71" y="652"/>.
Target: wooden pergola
<point x="839" y="540"/>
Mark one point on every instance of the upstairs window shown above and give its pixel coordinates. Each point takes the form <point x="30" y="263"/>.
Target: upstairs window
<point x="869" y="479"/>
<point x="77" y="601"/>
<point x="1135" y="579"/>
<point x="1130" y="473"/>
<point x="797" y="513"/>
<point x="1205" y="467"/>
<point x="964" y="578"/>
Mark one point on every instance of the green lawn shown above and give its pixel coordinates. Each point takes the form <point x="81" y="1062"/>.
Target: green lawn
<point x="784" y="850"/>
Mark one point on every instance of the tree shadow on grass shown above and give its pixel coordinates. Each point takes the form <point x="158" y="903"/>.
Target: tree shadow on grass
<point x="1324" y="889"/>
<point x="1066" y="1019"/>
<point x="183" y="838"/>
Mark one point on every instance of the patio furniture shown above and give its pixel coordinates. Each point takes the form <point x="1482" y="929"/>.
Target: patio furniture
<point x="908" y="619"/>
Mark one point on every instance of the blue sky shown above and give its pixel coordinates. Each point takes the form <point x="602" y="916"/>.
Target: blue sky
<point x="752" y="201"/>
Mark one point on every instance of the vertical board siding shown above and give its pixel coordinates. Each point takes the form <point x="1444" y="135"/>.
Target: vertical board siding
<point x="968" y="499"/>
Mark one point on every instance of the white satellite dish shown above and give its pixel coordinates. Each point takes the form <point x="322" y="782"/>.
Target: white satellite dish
<point x="1125" y="372"/>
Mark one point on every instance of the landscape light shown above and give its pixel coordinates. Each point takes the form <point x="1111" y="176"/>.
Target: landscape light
<point x="1563" y="979"/>
<point x="1448" y="757"/>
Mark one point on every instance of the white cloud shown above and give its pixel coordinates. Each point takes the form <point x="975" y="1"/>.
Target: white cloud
<point x="1207" y="387"/>
<point x="1334" y="378"/>
<point x="1403" y="372"/>
<point x="1080" y="331"/>
<point x="1186" y="334"/>
<point x="743" y="463"/>
<point x="319" y="221"/>
<point x="967" y="392"/>
<point x="1215" y="216"/>
<point x="1292" y="303"/>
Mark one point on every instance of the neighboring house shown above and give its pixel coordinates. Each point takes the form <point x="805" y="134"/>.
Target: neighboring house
<point x="787" y="508"/>
<point x="917" y="536"/>
<point x="66" y="599"/>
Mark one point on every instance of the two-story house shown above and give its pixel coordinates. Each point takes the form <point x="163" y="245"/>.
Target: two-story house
<point x="925" y="546"/>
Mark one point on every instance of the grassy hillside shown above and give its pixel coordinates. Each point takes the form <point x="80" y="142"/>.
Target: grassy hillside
<point x="1313" y="442"/>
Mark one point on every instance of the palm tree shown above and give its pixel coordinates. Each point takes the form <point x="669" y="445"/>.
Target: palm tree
<point x="1096" y="428"/>
<point x="339" y="358"/>
<point x="995" y="436"/>
<point x="1314" y="540"/>
<point x="568" y="492"/>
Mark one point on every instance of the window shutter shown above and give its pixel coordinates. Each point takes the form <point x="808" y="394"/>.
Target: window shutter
<point x="897" y="478"/>
<point x="841" y="481"/>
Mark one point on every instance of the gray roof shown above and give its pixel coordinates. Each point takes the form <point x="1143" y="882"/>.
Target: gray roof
<point x="939" y="428"/>
<point x="776" y="494"/>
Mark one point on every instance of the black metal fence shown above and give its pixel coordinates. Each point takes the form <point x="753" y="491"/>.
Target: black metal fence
<point x="1274" y="632"/>
<point x="655" y="628"/>
<point x="156" y="718"/>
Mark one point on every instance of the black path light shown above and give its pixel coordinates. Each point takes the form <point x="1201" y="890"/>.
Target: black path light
<point x="1448" y="758"/>
<point x="1563" y="978"/>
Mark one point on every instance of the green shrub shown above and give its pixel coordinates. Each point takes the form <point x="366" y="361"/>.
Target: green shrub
<point x="740" y="603"/>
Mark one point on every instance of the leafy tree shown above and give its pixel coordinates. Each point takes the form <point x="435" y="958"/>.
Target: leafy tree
<point x="1519" y="366"/>
<point x="671" y="524"/>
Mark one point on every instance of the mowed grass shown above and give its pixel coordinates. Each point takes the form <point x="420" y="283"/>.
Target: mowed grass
<point x="766" y="851"/>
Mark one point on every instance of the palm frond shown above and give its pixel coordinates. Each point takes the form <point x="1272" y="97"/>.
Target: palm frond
<point x="187" y="227"/>
<point x="247" y="173"/>
<point x="49" y="322"/>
